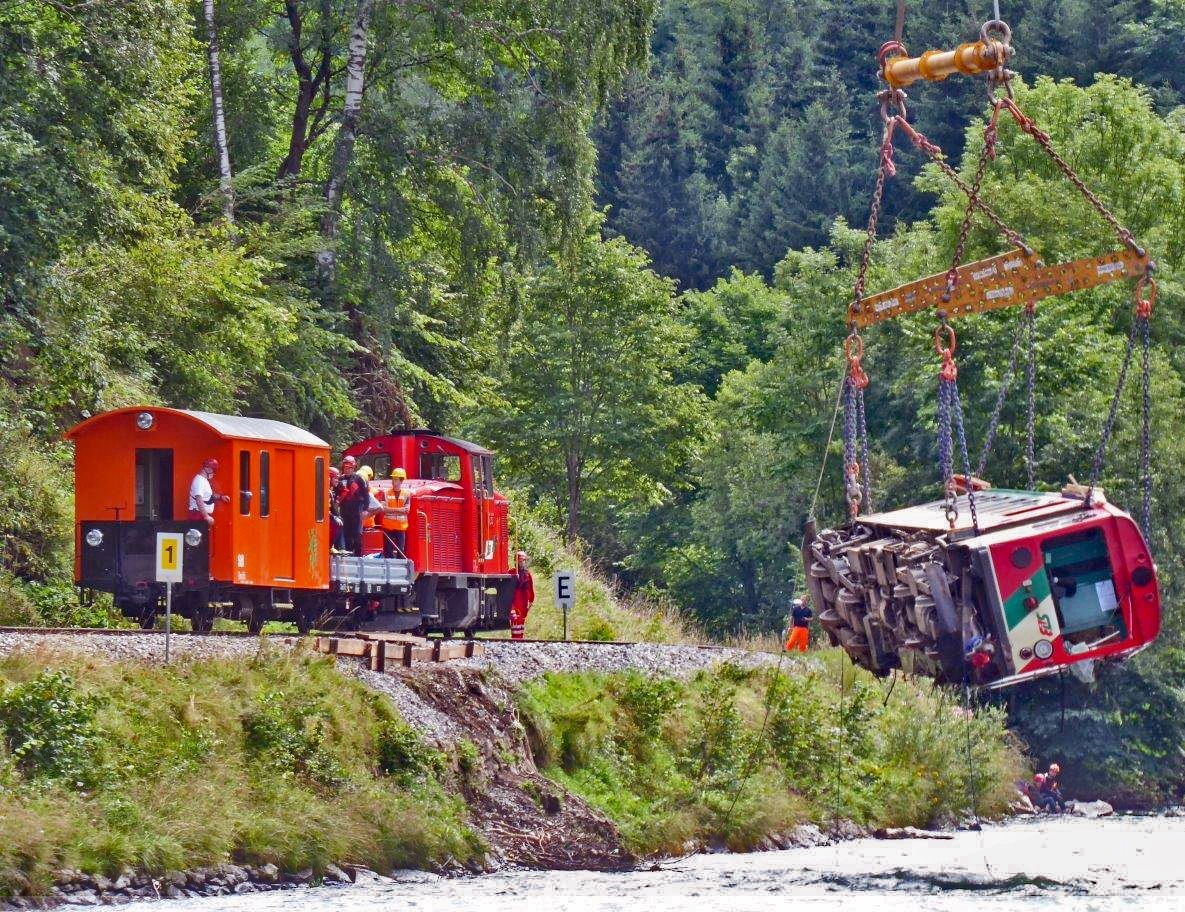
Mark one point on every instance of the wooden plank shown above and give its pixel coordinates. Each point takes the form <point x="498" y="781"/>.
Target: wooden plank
<point x="347" y="646"/>
<point x="389" y="637"/>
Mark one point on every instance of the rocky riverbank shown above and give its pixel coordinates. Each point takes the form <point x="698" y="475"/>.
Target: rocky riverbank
<point x="284" y="768"/>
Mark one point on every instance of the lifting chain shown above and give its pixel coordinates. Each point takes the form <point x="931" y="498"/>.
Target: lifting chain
<point x="1002" y="394"/>
<point x="986" y="157"/>
<point x="857" y="472"/>
<point x="1027" y="125"/>
<point x="1144" y="296"/>
<point x="951" y="429"/>
<point x="1031" y="401"/>
<point x="857" y="479"/>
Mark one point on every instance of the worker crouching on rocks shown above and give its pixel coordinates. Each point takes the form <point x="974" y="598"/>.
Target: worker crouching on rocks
<point x="524" y="596"/>
<point x="798" y="637"/>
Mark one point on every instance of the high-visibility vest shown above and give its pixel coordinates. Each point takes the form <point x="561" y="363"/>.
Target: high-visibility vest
<point x="397" y="510"/>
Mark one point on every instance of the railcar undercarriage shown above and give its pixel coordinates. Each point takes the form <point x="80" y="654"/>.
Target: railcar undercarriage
<point x="894" y="598"/>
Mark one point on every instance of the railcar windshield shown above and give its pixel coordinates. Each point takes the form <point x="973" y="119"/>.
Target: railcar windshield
<point x="440" y="466"/>
<point x="380" y="464"/>
<point x="1083" y="586"/>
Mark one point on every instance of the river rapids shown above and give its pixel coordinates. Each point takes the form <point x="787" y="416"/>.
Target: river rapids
<point x="1045" y="863"/>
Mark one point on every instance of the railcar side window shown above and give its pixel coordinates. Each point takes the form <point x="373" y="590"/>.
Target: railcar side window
<point x="1083" y="586"/>
<point x="440" y="466"/>
<point x="319" y="489"/>
<point x="245" y="483"/>
<point x="265" y="483"/>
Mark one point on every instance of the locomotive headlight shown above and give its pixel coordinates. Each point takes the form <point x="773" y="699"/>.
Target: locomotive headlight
<point x="94" y="538"/>
<point x="144" y="421"/>
<point x="193" y="538"/>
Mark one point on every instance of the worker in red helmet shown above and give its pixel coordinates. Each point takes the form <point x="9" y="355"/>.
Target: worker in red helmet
<point x="202" y="498"/>
<point x="337" y="536"/>
<point x="524" y="596"/>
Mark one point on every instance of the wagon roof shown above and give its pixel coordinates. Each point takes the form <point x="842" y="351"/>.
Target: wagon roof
<point x="231" y="427"/>
<point x="996" y="508"/>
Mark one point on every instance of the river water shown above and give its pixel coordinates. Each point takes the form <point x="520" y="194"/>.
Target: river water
<point x="1072" y="863"/>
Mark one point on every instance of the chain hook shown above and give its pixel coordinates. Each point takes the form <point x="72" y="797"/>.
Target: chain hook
<point x="949" y="370"/>
<point x="1144" y="302"/>
<point x="853" y="349"/>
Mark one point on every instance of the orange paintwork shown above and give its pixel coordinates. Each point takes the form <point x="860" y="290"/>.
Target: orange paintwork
<point x="288" y="548"/>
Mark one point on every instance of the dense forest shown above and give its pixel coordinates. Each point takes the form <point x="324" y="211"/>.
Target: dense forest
<point x="612" y="239"/>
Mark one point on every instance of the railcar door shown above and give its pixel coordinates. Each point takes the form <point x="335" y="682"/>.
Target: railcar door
<point x="282" y="498"/>
<point x="154" y="484"/>
<point x="483" y="502"/>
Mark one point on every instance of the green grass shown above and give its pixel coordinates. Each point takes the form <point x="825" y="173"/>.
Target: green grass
<point x="665" y="759"/>
<point x="282" y="760"/>
<point x="601" y="612"/>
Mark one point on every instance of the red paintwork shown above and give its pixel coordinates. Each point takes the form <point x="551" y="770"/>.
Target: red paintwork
<point x="451" y="527"/>
<point x="1140" y="606"/>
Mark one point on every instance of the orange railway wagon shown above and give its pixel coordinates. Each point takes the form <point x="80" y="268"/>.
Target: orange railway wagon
<point x="266" y="546"/>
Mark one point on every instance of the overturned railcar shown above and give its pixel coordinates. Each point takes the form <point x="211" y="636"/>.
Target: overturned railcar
<point x="1045" y="579"/>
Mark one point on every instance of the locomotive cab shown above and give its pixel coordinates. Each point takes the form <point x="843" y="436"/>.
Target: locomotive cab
<point x="1045" y="582"/>
<point x="458" y="527"/>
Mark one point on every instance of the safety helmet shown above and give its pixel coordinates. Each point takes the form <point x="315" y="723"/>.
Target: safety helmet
<point x="334" y="471"/>
<point x="520" y="556"/>
<point x="366" y="472"/>
<point x="1054" y="768"/>
<point x="349" y="460"/>
<point x="210" y="463"/>
<point x="398" y="472"/>
<point x="1039" y="778"/>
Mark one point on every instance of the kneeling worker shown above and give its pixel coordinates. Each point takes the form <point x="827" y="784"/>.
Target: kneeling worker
<point x="799" y="635"/>
<point x="395" y="515"/>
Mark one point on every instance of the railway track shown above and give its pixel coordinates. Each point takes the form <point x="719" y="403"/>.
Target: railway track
<point x="244" y="634"/>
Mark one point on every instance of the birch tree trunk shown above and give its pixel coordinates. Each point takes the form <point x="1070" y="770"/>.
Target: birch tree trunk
<point x="347" y="134"/>
<point x="220" y="148"/>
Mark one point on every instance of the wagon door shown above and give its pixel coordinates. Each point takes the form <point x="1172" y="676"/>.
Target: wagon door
<point x="282" y="499"/>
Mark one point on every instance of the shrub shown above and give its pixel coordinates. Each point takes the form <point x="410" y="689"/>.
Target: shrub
<point x="49" y="729"/>
<point x="403" y="754"/>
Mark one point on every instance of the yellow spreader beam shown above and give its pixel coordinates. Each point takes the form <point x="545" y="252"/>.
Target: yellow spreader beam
<point x="1007" y="280"/>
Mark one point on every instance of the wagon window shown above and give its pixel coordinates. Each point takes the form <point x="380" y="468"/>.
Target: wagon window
<point x="440" y="467"/>
<point x="1083" y="585"/>
<point x="380" y="464"/>
<point x="265" y="483"/>
<point x="245" y="483"/>
<point x="319" y="488"/>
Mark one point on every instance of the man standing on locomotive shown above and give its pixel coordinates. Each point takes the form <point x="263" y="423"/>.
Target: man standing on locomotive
<point x="524" y="596"/>
<point x="201" y="494"/>
<point x="394" y="518"/>
<point x="354" y="501"/>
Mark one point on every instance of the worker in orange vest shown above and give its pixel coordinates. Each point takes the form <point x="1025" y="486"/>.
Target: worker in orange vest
<point x="394" y="518"/>
<point x="524" y="596"/>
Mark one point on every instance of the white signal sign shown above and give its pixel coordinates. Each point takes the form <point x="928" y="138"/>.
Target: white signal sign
<point x="565" y="588"/>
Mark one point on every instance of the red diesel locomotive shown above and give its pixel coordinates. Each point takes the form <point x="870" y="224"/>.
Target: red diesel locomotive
<point x="267" y="555"/>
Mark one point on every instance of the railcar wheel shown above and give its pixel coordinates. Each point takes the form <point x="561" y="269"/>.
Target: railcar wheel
<point x="202" y="620"/>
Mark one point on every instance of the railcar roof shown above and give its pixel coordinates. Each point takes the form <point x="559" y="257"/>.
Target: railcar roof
<point x="467" y="445"/>
<point x="231" y="427"/>
<point x="996" y="509"/>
